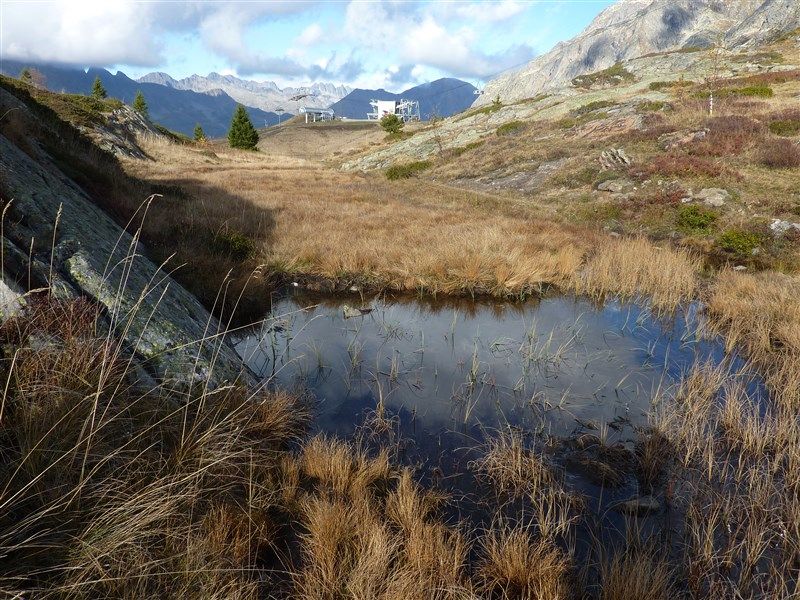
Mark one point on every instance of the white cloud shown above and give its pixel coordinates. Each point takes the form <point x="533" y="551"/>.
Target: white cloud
<point x="310" y="35"/>
<point x="489" y="12"/>
<point x="80" y="32"/>
<point x="419" y="37"/>
<point x="435" y="38"/>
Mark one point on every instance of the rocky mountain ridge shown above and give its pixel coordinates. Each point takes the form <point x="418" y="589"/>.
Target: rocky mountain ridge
<point x="634" y="28"/>
<point x="266" y="95"/>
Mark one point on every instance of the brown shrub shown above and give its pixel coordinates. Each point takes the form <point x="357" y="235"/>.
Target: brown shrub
<point x="775" y="77"/>
<point x="675" y="164"/>
<point x="727" y="135"/>
<point x="780" y="154"/>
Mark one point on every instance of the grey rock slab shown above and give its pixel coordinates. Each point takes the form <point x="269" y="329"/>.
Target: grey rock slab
<point x="175" y="337"/>
<point x="715" y="197"/>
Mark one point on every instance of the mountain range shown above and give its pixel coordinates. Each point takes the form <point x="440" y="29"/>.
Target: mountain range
<point x="440" y="98"/>
<point x="265" y="95"/>
<point x="179" y="110"/>
<point x="632" y="28"/>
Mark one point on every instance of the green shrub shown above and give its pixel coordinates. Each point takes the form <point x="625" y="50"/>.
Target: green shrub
<point x="739" y="242"/>
<point x="471" y="146"/>
<point x="592" y="106"/>
<point x="391" y="123"/>
<point x="510" y="127"/>
<point x="242" y="134"/>
<point x="651" y="106"/>
<point x="657" y="86"/>
<point x="757" y="91"/>
<point x="407" y="170"/>
<point x="140" y="104"/>
<point x="233" y="244"/>
<point x="199" y="134"/>
<point x="785" y="128"/>
<point x="695" y="219"/>
<point x="613" y="75"/>
<point x="483" y="110"/>
<point x="98" y="90"/>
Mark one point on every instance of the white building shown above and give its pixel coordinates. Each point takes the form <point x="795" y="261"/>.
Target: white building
<point x="406" y="110"/>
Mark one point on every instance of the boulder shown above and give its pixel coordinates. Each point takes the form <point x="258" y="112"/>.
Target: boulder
<point x="614" y="158"/>
<point x="614" y="186"/>
<point x="676" y="139"/>
<point x="11" y="300"/>
<point x="715" y="197"/>
<point x="779" y="227"/>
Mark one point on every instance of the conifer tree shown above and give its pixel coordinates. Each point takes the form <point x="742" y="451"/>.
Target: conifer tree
<point x="242" y="134"/>
<point x="199" y="134"/>
<point x="26" y="76"/>
<point x="98" y="91"/>
<point x="140" y="105"/>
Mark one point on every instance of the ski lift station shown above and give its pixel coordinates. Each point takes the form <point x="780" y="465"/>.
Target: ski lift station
<point x="317" y="114"/>
<point x="406" y="110"/>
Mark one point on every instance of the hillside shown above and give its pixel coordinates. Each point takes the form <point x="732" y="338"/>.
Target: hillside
<point x="176" y="109"/>
<point x="627" y="30"/>
<point x="265" y="95"/>
<point x="725" y="185"/>
<point x="440" y="98"/>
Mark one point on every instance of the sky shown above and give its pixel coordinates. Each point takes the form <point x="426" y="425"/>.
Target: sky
<point x="392" y="44"/>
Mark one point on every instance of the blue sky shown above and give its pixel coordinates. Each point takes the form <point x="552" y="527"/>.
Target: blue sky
<point x="365" y="43"/>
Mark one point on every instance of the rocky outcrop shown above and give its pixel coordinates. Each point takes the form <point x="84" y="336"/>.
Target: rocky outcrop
<point x="630" y="29"/>
<point x="55" y="236"/>
<point x="123" y="131"/>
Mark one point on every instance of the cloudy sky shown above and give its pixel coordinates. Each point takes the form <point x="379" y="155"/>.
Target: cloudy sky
<point x="365" y="43"/>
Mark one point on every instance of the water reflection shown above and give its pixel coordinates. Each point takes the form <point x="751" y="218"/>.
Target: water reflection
<point x="557" y="365"/>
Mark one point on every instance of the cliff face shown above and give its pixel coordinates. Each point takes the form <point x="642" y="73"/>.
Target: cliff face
<point x="630" y="29"/>
<point x="56" y="236"/>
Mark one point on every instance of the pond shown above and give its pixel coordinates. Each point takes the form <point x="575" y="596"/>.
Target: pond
<point x="447" y="374"/>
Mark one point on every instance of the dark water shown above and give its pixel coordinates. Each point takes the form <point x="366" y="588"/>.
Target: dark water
<point x="449" y="374"/>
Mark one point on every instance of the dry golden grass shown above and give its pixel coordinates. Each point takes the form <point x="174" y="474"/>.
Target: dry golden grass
<point x="345" y="228"/>
<point x="635" y="575"/>
<point x="636" y="267"/>
<point x="512" y="467"/>
<point x="516" y="565"/>
<point x="760" y="314"/>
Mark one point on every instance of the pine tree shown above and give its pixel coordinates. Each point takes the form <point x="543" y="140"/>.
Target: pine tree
<point x="199" y="134"/>
<point x="242" y="134"/>
<point x="26" y="76"/>
<point x="140" y="105"/>
<point x="98" y="91"/>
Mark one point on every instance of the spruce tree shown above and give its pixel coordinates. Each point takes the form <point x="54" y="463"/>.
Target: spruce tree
<point x="199" y="134"/>
<point x="26" y="76"/>
<point x="242" y="134"/>
<point x="98" y="91"/>
<point x="140" y="105"/>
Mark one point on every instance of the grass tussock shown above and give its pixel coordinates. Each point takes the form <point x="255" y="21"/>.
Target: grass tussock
<point x="515" y="564"/>
<point x="635" y="574"/>
<point x="637" y="268"/>
<point x="111" y="490"/>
